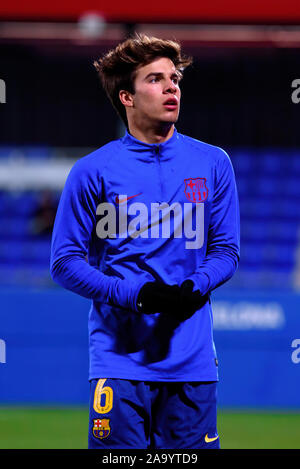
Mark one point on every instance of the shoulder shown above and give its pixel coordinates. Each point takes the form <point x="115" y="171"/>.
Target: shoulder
<point x="216" y="153"/>
<point x="93" y="164"/>
<point x="216" y="157"/>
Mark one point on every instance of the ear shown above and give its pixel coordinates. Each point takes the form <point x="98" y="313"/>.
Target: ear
<point x="126" y="98"/>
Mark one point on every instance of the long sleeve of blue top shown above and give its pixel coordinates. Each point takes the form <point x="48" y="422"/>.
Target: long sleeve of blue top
<point x="74" y="225"/>
<point x="223" y="251"/>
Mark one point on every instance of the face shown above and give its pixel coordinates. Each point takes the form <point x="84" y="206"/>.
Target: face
<point x="157" y="94"/>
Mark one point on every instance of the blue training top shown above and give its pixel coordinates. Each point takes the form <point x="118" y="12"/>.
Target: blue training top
<point x="133" y="212"/>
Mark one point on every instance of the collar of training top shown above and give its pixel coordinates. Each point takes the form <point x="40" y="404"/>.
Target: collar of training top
<point x="137" y="145"/>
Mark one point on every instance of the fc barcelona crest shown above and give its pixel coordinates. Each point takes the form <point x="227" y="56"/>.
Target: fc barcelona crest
<point x="101" y="428"/>
<point x="195" y="189"/>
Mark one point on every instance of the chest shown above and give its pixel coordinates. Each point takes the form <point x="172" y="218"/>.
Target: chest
<point x="157" y="181"/>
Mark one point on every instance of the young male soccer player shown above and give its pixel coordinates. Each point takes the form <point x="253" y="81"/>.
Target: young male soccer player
<point x="155" y="213"/>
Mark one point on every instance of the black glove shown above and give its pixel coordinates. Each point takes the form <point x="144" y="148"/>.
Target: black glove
<point x="172" y="299"/>
<point x="189" y="301"/>
<point x="156" y="297"/>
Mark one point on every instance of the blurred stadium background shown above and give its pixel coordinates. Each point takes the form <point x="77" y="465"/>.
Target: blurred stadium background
<point x="240" y="94"/>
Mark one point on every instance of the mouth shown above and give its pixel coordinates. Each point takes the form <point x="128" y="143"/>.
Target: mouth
<point x="171" y="104"/>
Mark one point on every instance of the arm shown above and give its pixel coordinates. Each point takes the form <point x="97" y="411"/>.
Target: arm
<point x="74" y="224"/>
<point x="223" y="245"/>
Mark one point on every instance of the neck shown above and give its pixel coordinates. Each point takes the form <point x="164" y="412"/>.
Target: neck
<point x="152" y="135"/>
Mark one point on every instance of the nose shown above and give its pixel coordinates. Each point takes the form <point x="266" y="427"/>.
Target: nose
<point x="170" y="87"/>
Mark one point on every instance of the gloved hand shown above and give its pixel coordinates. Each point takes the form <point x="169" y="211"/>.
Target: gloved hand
<point x="156" y="297"/>
<point x="172" y="299"/>
<point x="189" y="301"/>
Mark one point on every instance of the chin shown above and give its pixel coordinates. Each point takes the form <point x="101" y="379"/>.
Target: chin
<point x="170" y="119"/>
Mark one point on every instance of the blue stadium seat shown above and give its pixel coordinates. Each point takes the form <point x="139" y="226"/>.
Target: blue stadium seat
<point x="19" y="252"/>
<point x="270" y="162"/>
<point x="257" y="207"/>
<point x="244" y="162"/>
<point x="27" y="151"/>
<point x="14" y="228"/>
<point x="292" y="187"/>
<point x="294" y="163"/>
<point x="24" y="203"/>
<point x="6" y="150"/>
<point x="268" y="186"/>
<point x="288" y="208"/>
<point x="37" y="151"/>
<point x="278" y="253"/>
<point x="253" y="231"/>
<point x="285" y="232"/>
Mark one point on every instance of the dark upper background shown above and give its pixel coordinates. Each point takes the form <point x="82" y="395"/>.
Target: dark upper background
<point x="231" y="97"/>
